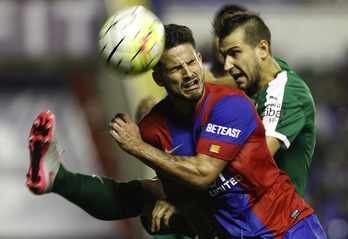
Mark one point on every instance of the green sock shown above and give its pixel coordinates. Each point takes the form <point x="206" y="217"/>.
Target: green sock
<point x="101" y="197"/>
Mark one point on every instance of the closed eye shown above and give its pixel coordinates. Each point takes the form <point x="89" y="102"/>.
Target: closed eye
<point x="190" y="62"/>
<point x="174" y="69"/>
<point x="178" y="67"/>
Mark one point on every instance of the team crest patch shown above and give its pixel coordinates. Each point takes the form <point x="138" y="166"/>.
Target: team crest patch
<point x="214" y="148"/>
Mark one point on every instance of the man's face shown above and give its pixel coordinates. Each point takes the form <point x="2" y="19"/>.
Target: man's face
<point x="182" y="73"/>
<point x="242" y="61"/>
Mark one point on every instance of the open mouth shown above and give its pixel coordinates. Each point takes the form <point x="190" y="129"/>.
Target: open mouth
<point x="193" y="84"/>
<point x="237" y="76"/>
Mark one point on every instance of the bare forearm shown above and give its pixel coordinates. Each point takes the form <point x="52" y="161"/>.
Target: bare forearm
<point x="273" y="144"/>
<point x="181" y="169"/>
<point x="197" y="171"/>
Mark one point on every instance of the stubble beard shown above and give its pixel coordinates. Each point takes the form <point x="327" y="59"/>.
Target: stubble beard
<point x="193" y="98"/>
<point x="253" y="85"/>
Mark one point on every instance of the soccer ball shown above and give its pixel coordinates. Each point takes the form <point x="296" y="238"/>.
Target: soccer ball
<point x="132" y="40"/>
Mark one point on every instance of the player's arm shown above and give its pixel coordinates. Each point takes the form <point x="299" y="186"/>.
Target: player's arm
<point x="168" y="212"/>
<point x="273" y="144"/>
<point x="164" y="213"/>
<point x="197" y="171"/>
<point x="153" y="191"/>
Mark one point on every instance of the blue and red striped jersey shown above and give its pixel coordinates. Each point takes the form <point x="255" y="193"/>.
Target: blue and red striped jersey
<point x="251" y="197"/>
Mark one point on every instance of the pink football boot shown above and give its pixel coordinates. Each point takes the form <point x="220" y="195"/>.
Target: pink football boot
<point x="44" y="154"/>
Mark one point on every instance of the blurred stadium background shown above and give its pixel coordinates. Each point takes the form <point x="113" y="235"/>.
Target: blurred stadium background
<point x="49" y="60"/>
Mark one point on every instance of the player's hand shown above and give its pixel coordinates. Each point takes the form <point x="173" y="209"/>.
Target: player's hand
<point x="126" y="133"/>
<point x="161" y="214"/>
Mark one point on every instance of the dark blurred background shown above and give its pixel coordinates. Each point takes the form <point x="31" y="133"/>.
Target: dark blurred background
<point x="49" y="60"/>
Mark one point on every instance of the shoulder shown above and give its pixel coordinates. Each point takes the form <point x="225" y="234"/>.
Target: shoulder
<point x="155" y="113"/>
<point x="289" y="82"/>
<point x="154" y="121"/>
<point x="296" y="87"/>
<point x="224" y="99"/>
<point x="289" y="92"/>
<point x="219" y="91"/>
<point x="283" y="64"/>
<point x="291" y="77"/>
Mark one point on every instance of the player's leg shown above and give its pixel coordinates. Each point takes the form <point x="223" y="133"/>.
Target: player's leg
<point x="308" y="227"/>
<point x="102" y="197"/>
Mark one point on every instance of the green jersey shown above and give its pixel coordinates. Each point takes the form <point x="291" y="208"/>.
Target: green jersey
<point x="287" y="110"/>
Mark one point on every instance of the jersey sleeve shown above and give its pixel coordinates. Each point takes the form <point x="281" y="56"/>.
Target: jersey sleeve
<point x="283" y="116"/>
<point x="288" y="126"/>
<point x="230" y="124"/>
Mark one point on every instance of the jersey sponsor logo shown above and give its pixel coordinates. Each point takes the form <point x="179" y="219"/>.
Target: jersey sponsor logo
<point x="222" y="130"/>
<point x="272" y="109"/>
<point x="273" y="97"/>
<point x="226" y="184"/>
<point x="167" y="151"/>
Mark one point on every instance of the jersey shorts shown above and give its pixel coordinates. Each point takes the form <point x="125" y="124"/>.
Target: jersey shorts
<point x="306" y="228"/>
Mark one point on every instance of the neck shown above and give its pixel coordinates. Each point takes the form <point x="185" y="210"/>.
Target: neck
<point x="268" y="75"/>
<point x="185" y="107"/>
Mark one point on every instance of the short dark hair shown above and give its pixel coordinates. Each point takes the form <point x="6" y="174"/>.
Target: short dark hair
<point x="176" y="35"/>
<point x="255" y="29"/>
<point x="230" y="9"/>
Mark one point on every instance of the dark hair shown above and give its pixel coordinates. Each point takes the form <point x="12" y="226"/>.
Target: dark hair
<point x="230" y="9"/>
<point x="255" y="29"/>
<point x="176" y="35"/>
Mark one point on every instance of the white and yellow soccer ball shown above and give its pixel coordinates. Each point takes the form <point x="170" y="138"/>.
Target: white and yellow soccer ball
<point x="132" y="40"/>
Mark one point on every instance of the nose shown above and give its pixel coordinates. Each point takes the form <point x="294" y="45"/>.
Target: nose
<point x="186" y="71"/>
<point x="228" y="63"/>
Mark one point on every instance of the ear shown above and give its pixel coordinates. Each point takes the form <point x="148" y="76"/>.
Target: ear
<point x="264" y="49"/>
<point x="156" y="75"/>
<point x="199" y="57"/>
